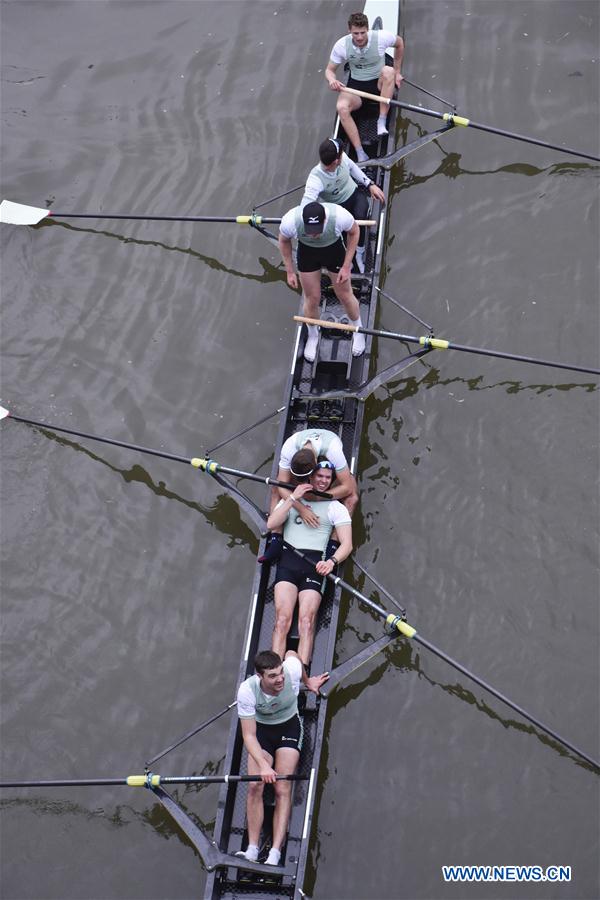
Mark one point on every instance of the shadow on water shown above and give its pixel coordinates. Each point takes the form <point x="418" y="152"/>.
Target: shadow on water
<point x="405" y="657"/>
<point x="271" y="273"/>
<point x="224" y="515"/>
<point x="122" y="815"/>
<point x="450" y="167"/>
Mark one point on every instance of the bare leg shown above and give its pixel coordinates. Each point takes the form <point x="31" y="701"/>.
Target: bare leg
<point x="309" y="602"/>
<point x="386" y="87"/>
<point x="346" y="104"/>
<point x="311" y="289"/>
<point x="255" y="810"/>
<point x="286" y="762"/>
<point x="346" y="297"/>
<point x="286" y="595"/>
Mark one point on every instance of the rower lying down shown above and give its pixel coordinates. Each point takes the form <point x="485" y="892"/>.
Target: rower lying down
<point x="267" y="705"/>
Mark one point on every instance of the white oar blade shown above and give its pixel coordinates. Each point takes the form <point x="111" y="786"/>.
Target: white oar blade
<point x="4" y="413"/>
<point x="18" y="214"/>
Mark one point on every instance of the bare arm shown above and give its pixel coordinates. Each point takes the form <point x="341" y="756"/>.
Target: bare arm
<point x="280" y="514"/>
<point x="255" y="750"/>
<point x="351" y="245"/>
<point x="398" y="57"/>
<point x="344" y="533"/>
<point x="330" y="75"/>
<point x="285" y="248"/>
<point x="315" y="681"/>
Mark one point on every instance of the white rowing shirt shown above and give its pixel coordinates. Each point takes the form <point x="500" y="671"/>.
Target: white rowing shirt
<point x="325" y="443"/>
<point x="335" y="186"/>
<point x="385" y="39"/>
<point x="253" y="703"/>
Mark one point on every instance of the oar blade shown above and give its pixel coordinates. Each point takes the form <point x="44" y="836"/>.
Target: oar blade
<point x="19" y="214"/>
<point x="4" y="413"/>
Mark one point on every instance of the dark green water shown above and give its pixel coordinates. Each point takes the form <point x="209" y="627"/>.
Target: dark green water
<point x="126" y="579"/>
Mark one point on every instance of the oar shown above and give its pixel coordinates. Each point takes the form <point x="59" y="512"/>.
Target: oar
<point x="204" y="465"/>
<point x="389" y="161"/>
<point x="148" y="780"/>
<point x="18" y="214"/>
<point x="438" y="344"/>
<point x="429" y="93"/>
<point x="190" y="734"/>
<point x="461" y="120"/>
<point x="394" y="621"/>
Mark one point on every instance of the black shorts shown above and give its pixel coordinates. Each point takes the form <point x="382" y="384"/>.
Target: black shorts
<point x="369" y="86"/>
<point x="313" y="259"/>
<point x="358" y="204"/>
<point x="272" y="737"/>
<point x="296" y="571"/>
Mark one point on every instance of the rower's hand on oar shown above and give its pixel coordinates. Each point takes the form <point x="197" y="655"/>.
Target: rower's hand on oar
<point x="325" y="566"/>
<point x="315" y="682"/>
<point x="343" y="275"/>
<point x="336" y="85"/>
<point x="399" y="79"/>
<point x="292" y="280"/>
<point x="268" y="775"/>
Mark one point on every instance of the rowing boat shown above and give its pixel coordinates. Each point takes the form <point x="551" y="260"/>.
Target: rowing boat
<point x="309" y="402"/>
<point x="328" y="381"/>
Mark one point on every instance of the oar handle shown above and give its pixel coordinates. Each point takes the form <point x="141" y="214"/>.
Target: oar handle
<point x="366" y="95"/>
<point x="324" y="324"/>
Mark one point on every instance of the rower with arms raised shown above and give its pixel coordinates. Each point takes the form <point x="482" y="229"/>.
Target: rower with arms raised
<point x="267" y="705"/>
<point x="364" y="51"/>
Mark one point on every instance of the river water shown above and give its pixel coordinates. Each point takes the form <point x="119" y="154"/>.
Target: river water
<point x="126" y="579"/>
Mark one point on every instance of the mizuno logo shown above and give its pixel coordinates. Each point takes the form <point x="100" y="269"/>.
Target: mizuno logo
<point x="313" y="220"/>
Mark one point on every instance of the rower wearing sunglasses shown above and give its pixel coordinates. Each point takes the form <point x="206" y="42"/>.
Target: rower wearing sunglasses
<point x="296" y="579"/>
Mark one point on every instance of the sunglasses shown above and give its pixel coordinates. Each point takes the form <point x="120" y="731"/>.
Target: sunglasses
<point x="325" y="464"/>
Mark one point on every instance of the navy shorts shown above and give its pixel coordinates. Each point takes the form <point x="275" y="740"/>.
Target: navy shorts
<point x="273" y="737"/>
<point x="369" y="86"/>
<point x="313" y="259"/>
<point x="296" y="571"/>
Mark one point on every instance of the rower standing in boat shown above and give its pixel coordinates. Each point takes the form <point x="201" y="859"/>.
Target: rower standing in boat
<point x="303" y="580"/>
<point x="319" y="228"/>
<point x="364" y="51"/>
<point x="267" y="705"/>
<point x="336" y="180"/>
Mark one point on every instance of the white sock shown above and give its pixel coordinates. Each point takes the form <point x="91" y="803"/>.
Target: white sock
<point x="358" y="339"/>
<point x="313" y="332"/>
<point x="357" y="322"/>
<point x="361" y="156"/>
<point x="381" y="127"/>
<point x="251" y="853"/>
<point x="273" y="857"/>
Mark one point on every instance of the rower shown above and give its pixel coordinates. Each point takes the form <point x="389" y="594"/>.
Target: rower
<point x="337" y="179"/>
<point x="318" y="228"/>
<point x="303" y="580"/>
<point x="299" y="456"/>
<point x="267" y="704"/>
<point x="364" y="51"/>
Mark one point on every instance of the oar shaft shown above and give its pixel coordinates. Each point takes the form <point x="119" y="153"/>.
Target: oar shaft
<point x="205" y="465"/>
<point x="442" y="344"/>
<point x="102" y="440"/>
<point x="148" y="780"/>
<point x="462" y="120"/>
<point x="235" y="220"/>
<point x="514" y="356"/>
